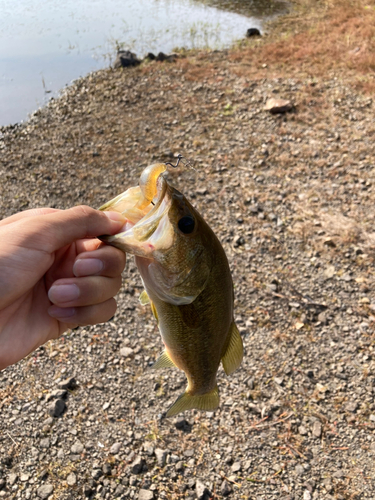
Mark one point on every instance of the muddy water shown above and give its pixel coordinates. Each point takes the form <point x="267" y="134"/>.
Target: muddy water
<point x="45" y="45"/>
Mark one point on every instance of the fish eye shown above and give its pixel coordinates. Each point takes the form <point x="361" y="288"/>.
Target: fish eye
<point x="186" y="224"/>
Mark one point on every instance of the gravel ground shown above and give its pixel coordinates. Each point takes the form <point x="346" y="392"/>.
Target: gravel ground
<point x="291" y="197"/>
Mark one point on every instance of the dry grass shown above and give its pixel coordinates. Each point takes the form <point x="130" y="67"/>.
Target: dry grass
<point x="319" y="36"/>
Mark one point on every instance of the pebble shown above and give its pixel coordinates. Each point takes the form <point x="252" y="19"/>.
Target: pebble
<point x="44" y="443"/>
<point x="107" y="470"/>
<point x="352" y="406"/>
<point x="236" y="467"/>
<point x="77" y="448"/>
<point x="179" y="467"/>
<point x="302" y="430"/>
<point x="24" y="477"/>
<point x="145" y="495"/>
<point x="115" y="448"/>
<point x="57" y="394"/>
<point x="12" y="478"/>
<point x="126" y="352"/>
<point x="71" y="479"/>
<point x="306" y="495"/>
<point x="278" y="106"/>
<point x="45" y="491"/>
<point x="161" y="456"/>
<point x="317" y="429"/>
<point x="299" y="470"/>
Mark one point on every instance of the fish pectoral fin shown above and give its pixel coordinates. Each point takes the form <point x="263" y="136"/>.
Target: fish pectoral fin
<point x="206" y="402"/>
<point x="154" y="312"/>
<point x="144" y="298"/>
<point x="234" y="353"/>
<point x="163" y="361"/>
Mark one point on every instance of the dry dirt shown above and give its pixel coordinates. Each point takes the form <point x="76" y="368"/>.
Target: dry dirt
<point x="291" y="198"/>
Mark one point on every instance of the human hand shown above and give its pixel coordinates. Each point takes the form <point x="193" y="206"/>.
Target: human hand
<point x="55" y="275"/>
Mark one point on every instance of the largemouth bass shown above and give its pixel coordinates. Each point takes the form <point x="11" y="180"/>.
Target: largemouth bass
<point x="187" y="282"/>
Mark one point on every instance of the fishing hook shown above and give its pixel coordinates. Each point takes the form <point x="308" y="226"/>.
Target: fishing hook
<point x="179" y="158"/>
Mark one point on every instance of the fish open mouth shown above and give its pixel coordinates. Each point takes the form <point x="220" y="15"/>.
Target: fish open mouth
<point x="145" y="208"/>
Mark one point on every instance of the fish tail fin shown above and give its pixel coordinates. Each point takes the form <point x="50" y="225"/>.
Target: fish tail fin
<point x="205" y="402"/>
<point x="234" y="353"/>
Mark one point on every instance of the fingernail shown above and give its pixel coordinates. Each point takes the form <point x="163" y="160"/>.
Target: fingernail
<point x="61" y="312"/>
<point x="115" y="216"/>
<point x="87" y="267"/>
<point x="63" y="293"/>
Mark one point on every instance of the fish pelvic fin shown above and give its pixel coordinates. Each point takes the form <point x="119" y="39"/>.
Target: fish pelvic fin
<point x="234" y="353"/>
<point x="144" y="298"/>
<point x="206" y="402"/>
<point x="163" y="361"/>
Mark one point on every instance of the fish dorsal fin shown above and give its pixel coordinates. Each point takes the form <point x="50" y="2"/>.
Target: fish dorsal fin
<point x="144" y="298"/>
<point x="163" y="361"/>
<point x="234" y="353"/>
<point x="206" y="402"/>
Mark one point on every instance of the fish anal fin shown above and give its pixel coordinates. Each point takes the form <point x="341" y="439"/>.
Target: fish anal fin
<point x="163" y="361"/>
<point x="206" y="402"/>
<point x="234" y="353"/>
<point x="144" y="298"/>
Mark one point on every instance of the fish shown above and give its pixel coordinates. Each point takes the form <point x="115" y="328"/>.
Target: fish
<point x="187" y="282"/>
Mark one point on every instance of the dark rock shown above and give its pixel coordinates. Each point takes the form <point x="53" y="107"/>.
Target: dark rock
<point x="137" y="466"/>
<point x="125" y="58"/>
<point x="161" y="57"/>
<point x="150" y="56"/>
<point x="202" y="492"/>
<point x="96" y="474"/>
<point x="164" y="57"/>
<point x="225" y="488"/>
<point x="87" y="491"/>
<point x="182" y="425"/>
<point x="68" y="383"/>
<point x="252" y="32"/>
<point x="56" y="408"/>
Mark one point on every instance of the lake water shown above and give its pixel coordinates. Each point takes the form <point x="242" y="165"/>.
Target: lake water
<point x="45" y="45"/>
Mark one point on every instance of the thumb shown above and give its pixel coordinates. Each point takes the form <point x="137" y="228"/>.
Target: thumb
<point x="52" y="231"/>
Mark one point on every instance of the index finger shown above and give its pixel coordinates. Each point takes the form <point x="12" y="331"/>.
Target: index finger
<point x="52" y="231"/>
